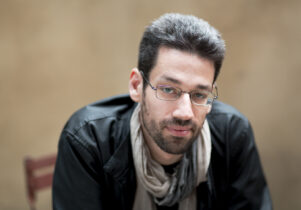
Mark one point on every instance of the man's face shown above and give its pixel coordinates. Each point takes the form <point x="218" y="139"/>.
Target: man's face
<point x="174" y="125"/>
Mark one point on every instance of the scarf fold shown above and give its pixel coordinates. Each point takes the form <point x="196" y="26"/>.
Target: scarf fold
<point x="154" y="186"/>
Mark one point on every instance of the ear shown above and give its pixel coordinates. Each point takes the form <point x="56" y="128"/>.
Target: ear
<point x="208" y="109"/>
<point x="135" y="85"/>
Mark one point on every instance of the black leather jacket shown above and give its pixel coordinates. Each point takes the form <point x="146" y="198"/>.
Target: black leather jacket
<point x="94" y="168"/>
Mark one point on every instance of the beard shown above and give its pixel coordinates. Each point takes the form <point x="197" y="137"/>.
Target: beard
<point x="168" y="143"/>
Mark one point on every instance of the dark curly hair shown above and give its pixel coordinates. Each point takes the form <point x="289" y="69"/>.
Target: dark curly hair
<point x="182" y="32"/>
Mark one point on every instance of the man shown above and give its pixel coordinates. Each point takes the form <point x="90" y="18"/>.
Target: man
<point x="169" y="144"/>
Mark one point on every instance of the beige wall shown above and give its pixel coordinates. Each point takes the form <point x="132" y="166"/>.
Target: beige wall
<point x="56" y="56"/>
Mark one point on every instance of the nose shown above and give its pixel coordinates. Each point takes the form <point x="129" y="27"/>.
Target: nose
<point x="184" y="108"/>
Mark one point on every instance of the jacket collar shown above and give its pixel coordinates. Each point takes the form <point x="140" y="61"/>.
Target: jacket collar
<point x="120" y="167"/>
<point x="121" y="161"/>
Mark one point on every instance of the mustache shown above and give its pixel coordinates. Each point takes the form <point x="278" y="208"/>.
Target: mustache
<point x="179" y="122"/>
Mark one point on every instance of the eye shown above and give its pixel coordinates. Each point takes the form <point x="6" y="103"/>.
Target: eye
<point x="168" y="90"/>
<point x="199" y="95"/>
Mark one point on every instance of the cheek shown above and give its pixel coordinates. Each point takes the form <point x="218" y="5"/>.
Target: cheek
<point x="201" y="116"/>
<point x="156" y="109"/>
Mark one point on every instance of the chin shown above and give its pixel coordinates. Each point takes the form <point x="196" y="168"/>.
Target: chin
<point x="176" y="148"/>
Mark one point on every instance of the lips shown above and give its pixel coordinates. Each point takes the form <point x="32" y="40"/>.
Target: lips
<point x="179" y="130"/>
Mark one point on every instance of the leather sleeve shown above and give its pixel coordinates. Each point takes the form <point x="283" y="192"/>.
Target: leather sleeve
<point x="248" y="188"/>
<point x="76" y="182"/>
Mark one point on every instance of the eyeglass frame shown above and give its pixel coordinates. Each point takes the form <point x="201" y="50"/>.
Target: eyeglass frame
<point x="215" y="96"/>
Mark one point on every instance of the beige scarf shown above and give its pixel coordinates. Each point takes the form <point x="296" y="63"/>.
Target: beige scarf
<point x="152" y="181"/>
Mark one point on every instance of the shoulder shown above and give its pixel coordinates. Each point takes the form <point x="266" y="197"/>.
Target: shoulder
<point x="113" y="108"/>
<point x="225" y="115"/>
<point x="101" y="127"/>
<point x="220" y="108"/>
<point x="229" y="127"/>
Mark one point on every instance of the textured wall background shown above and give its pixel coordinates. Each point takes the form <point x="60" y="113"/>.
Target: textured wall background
<point x="56" y="56"/>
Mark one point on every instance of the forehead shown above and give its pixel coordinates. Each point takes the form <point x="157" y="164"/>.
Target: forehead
<point x="187" y="68"/>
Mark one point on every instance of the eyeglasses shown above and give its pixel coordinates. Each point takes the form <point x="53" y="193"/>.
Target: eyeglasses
<point x="170" y="93"/>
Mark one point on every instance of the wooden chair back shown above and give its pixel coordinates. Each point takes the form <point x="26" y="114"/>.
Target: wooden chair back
<point x="38" y="175"/>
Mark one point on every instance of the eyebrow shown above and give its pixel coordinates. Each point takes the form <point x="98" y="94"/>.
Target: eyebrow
<point x="175" y="81"/>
